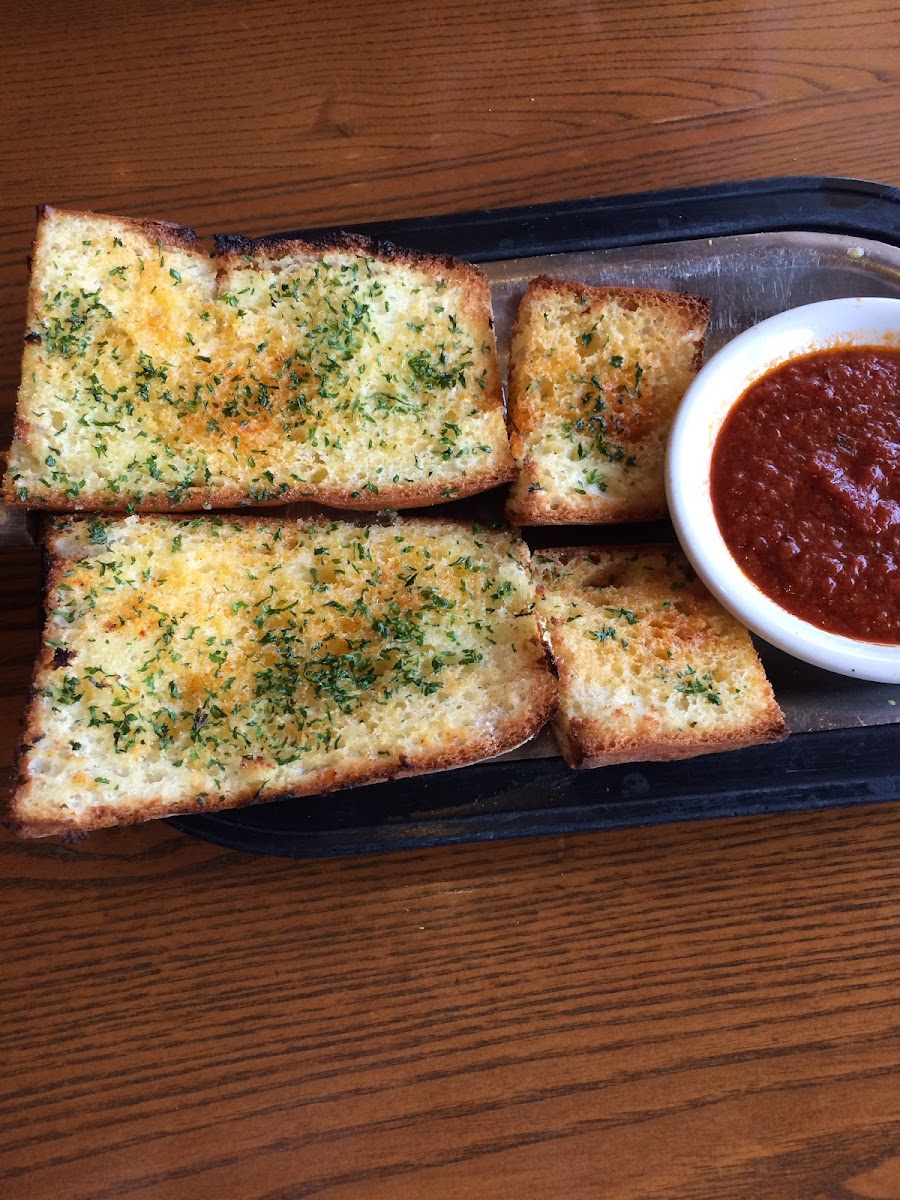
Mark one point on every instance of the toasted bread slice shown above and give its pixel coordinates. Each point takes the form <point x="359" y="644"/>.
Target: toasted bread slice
<point x="205" y="663"/>
<point x="651" y="667"/>
<point x="596" y="374"/>
<point x="379" y="367"/>
<point x="349" y="373"/>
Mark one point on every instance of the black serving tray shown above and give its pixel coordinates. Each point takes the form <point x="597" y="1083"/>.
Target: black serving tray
<point x="818" y="202"/>
<point x="541" y="796"/>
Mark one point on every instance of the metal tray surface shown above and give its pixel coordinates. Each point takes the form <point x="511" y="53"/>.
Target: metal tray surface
<point x="841" y="750"/>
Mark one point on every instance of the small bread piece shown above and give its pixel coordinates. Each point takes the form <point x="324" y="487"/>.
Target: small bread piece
<point x="596" y="374"/>
<point x="205" y="663"/>
<point x="651" y="667"/>
<point x="349" y="373"/>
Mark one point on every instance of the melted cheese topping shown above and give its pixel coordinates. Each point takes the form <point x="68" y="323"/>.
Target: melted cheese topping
<point x="596" y="386"/>
<point x="645" y="648"/>
<point x="146" y="384"/>
<point x="224" y="660"/>
<point x="120" y="338"/>
<point x="352" y="372"/>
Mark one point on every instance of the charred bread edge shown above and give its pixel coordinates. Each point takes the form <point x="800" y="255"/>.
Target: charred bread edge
<point x="235" y="250"/>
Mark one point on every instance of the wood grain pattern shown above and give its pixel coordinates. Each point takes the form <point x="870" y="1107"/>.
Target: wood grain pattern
<point x="674" y="1012"/>
<point x="697" y="1012"/>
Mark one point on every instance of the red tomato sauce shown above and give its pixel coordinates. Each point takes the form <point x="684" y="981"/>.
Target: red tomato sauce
<point x="806" y="489"/>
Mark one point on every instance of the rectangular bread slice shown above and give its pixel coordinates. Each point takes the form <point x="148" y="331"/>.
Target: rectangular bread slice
<point x="208" y="662"/>
<point x="596" y="375"/>
<point x="651" y="667"/>
<point x="349" y="373"/>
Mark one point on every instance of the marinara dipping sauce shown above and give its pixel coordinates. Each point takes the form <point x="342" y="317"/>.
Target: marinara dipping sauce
<point x="806" y="489"/>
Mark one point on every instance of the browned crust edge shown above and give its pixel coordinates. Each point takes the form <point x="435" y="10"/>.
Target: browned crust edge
<point x="598" y="554"/>
<point x="395" y="496"/>
<point x="527" y="509"/>
<point x="508" y="735"/>
<point x="233" y="250"/>
<point x="581" y="752"/>
<point x="168" y="233"/>
<point x="29" y="733"/>
<point x="691" y="306"/>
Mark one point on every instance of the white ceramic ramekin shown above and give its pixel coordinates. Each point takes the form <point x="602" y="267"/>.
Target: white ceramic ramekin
<point x="859" y="321"/>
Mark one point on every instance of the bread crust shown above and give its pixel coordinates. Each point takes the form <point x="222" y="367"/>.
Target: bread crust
<point x="234" y="250"/>
<point x="152" y="230"/>
<point x="400" y="496"/>
<point x="508" y="733"/>
<point x="575" y="741"/>
<point x="691" y="308"/>
<point x="528" y="503"/>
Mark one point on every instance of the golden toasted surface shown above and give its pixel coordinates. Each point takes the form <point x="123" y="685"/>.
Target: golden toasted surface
<point x="354" y="375"/>
<point x="202" y="663"/>
<point x="596" y="375"/>
<point x="650" y="665"/>
<point x="120" y="330"/>
<point x="379" y="375"/>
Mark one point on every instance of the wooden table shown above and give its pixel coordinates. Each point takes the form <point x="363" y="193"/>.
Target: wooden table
<point x="694" y="1011"/>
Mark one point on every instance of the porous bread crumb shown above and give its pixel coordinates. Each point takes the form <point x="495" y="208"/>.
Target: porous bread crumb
<point x="120" y="333"/>
<point x="350" y="374"/>
<point x="650" y="665"/>
<point x="596" y="375"/>
<point x="192" y="664"/>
